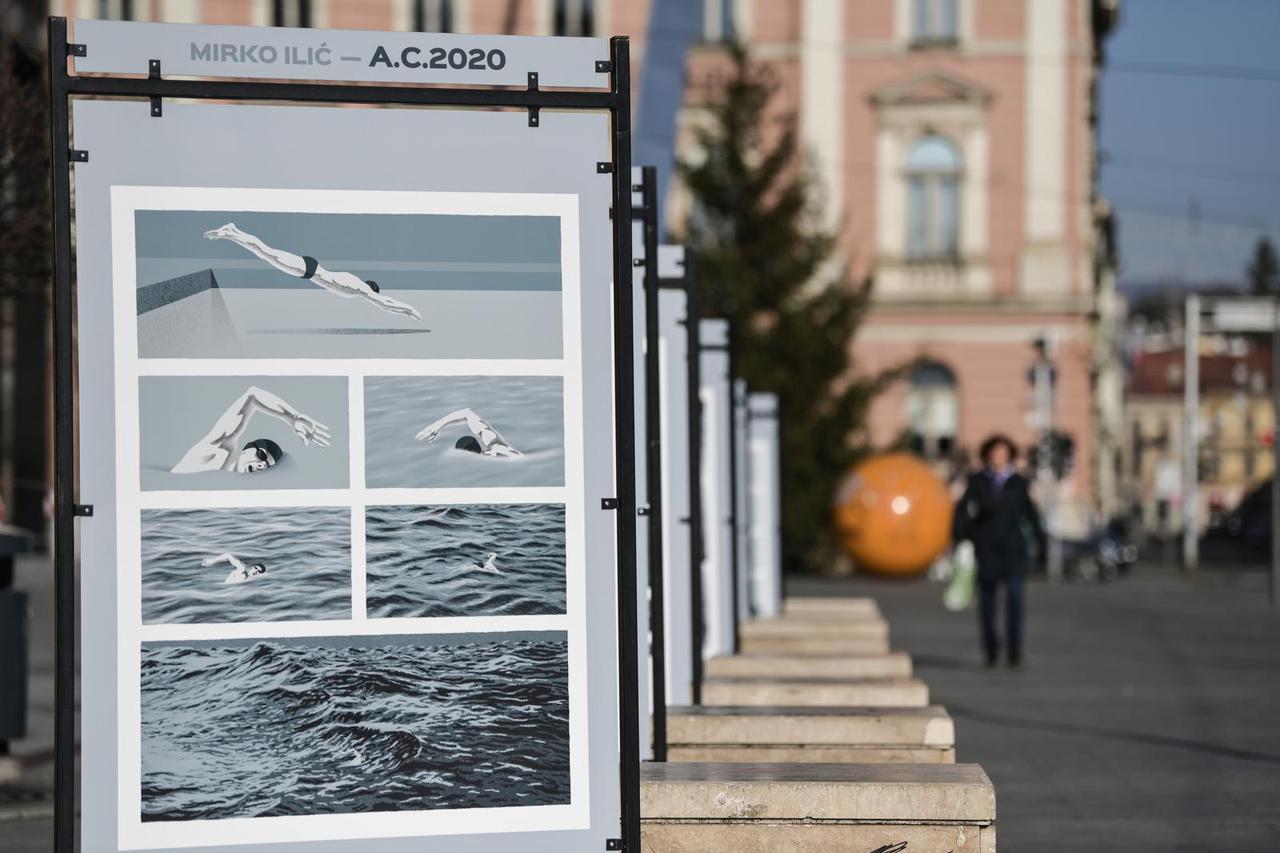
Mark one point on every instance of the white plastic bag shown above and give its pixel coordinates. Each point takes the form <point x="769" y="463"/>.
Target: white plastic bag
<point x="964" y="576"/>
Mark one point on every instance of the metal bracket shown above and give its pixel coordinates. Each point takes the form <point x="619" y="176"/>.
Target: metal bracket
<point x="603" y="168"/>
<point x="533" y="111"/>
<point x="82" y="510"/>
<point x="637" y="262"/>
<point x="153" y="73"/>
<point x="637" y="188"/>
<point x="604" y="66"/>
<point x="608" y="503"/>
<point x="78" y="155"/>
<point x="614" y="844"/>
<point x="642" y="510"/>
<point x="74" y="49"/>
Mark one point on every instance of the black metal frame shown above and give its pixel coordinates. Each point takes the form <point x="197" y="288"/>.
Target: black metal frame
<point x="616" y="101"/>
<point x="647" y="215"/>
<point x="693" y="352"/>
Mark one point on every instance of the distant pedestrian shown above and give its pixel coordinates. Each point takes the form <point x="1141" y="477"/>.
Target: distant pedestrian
<point x="997" y="515"/>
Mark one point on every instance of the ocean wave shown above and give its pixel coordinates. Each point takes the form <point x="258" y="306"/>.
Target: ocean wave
<point x="298" y="727"/>
<point x="426" y="560"/>
<point x="307" y="553"/>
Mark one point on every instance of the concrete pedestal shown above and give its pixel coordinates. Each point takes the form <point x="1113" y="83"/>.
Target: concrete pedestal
<point x="811" y="645"/>
<point x="835" y="629"/>
<point x="842" y="608"/>
<point x="881" y="692"/>
<point x="799" y="808"/>
<point x="891" y="665"/>
<point x="799" y="735"/>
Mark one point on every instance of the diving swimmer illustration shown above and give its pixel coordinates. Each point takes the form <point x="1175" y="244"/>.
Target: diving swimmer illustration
<point x="344" y="284"/>
<point x="484" y="439"/>
<point x="221" y="448"/>
<point x="241" y="572"/>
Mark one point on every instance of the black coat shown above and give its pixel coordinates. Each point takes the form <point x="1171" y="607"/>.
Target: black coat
<point x="1001" y="522"/>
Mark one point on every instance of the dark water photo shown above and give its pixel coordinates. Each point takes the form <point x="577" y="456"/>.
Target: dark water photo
<point x="344" y="725"/>
<point x="306" y="552"/>
<point x="465" y="560"/>
<point x="525" y="412"/>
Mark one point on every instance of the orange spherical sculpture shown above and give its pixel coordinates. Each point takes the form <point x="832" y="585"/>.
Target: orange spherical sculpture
<point x="893" y="515"/>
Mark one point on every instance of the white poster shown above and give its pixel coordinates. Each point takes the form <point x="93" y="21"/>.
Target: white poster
<point x="347" y="451"/>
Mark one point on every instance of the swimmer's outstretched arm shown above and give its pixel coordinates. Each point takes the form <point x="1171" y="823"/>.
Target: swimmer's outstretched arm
<point x="286" y="262"/>
<point x="225" y="558"/>
<point x="395" y="306"/>
<point x="460" y="416"/>
<point x="218" y="449"/>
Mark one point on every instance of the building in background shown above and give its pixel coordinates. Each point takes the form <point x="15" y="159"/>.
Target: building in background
<point x="956" y="142"/>
<point x="1236" y="424"/>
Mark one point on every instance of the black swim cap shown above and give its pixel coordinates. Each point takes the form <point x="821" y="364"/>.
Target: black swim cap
<point x="469" y="444"/>
<point x="373" y="285"/>
<point x="267" y="446"/>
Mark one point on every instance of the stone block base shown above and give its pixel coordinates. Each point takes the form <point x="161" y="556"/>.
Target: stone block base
<point x="901" y="692"/>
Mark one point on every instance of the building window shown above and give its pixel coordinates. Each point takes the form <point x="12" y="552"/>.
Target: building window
<point x="433" y="16"/>
<point x="115" y="10"/>
<point x="290" y="13"/>
<point x="933" y="410"/>
<point x="933" y="22"/>
<point x="574" y="18"/>
<point x="933" y="200"/>
<point x="717" y="20"/>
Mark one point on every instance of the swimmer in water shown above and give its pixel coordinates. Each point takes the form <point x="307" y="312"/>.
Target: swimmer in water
<point x="488" y="566"/>
<point x="221" y="449"/>
<point x="484" y="439"/>
<point x="241" y="572"/>
<point x="344" y="284"/>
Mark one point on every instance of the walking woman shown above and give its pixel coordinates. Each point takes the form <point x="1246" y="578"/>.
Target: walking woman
<point x="997" y="515"/>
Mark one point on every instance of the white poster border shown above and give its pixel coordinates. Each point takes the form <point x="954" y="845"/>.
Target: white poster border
<point x="133" y="833"/>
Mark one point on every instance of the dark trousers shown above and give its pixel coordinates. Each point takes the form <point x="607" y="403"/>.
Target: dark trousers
<point x="987" y="589"/>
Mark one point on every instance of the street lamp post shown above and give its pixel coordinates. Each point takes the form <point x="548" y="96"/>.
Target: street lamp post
<point x="1042" y="383"/>
<point x="1191" y="437"/>
<point x="1238" y="315"/>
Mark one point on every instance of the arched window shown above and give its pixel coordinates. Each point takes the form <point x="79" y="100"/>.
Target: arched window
<point x="433" y="16"/>
<point x="933" y="199"/>
<point x="933" y="409"/>
<point x="933" y="21"/>
<point x="291" y="13"/>
<point x="574" y="18"/>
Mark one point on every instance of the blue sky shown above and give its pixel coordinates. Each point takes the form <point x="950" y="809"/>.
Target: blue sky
<point x="1190" y="118"/>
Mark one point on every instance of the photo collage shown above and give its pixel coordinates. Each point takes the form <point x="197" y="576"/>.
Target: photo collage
<point x="358" y="557"/>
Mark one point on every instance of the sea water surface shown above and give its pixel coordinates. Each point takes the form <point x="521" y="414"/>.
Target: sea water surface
<point x="528" y="411"/>
<point x="307" y="552"/>
<point x="336" y="726"/>
<point x="425" y="560"/>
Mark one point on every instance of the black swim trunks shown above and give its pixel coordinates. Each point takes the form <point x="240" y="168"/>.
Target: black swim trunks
<point x="312" y="265"/>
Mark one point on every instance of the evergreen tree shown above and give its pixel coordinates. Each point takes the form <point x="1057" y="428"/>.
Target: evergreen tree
<point x="765" y="262"/>
<point x="1263" y="272"/>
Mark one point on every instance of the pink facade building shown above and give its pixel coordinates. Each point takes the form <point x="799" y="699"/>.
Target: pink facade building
<point x="956" y="142"/>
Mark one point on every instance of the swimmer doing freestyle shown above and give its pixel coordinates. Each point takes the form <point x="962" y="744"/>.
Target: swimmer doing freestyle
<point x="484" y="439"/>
<point x="241" y="571"/>
<point x="344" y="284"/>
<point x="221" y="449"/>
